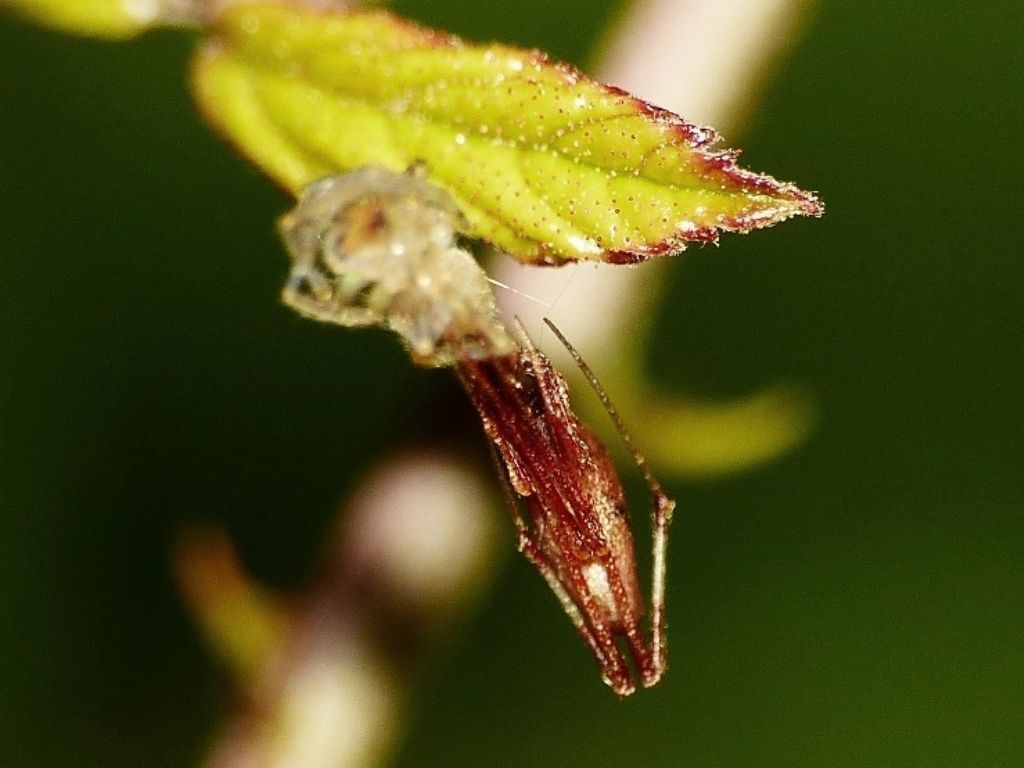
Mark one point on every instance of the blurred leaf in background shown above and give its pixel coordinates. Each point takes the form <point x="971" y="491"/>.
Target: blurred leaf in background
<point x="858" y="603"/>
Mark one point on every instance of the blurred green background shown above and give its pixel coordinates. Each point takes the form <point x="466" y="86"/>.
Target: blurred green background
<point x="859" y="603"/>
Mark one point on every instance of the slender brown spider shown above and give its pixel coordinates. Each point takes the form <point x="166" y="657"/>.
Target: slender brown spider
<point x="378" y="248"/>
<point x="578" y="532"/>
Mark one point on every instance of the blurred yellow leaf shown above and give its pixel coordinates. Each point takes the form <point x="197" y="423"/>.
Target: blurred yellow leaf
<point x="99" y="18"/>
<point x="690" y="438"/>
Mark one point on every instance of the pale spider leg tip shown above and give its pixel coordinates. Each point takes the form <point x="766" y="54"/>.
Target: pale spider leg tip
<point x="619" y="680"/>
<point x="623" y="692"/>
<point x="650" y="681"/>
<point x="522" y="337"/>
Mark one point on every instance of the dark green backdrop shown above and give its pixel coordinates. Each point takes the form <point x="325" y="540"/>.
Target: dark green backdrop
<point x="860" y="603"/>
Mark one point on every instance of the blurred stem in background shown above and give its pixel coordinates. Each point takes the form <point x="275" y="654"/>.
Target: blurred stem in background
<point x="325" y="675"/>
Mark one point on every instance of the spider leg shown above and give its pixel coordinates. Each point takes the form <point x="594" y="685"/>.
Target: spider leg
<point x="598" y="638"/>
<point x="297" y="296"/>
<point x="662" y="518"/>
<point x="514" y="508"/>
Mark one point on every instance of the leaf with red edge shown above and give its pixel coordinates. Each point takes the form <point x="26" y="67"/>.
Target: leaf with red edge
<point x="546" y="163"/>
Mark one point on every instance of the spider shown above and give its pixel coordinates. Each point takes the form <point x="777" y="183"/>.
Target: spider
<point x="375" y="247"/>
<point x="577" y="530"/>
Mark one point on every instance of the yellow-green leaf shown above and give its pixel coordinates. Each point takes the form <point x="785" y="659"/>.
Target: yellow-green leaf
<point x="546" y="163"/>
<point x="99" y="18"/>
